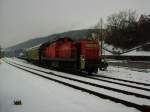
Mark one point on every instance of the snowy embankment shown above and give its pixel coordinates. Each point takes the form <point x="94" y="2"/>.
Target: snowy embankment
<point x="130" y="52"/>
<point x="41" y="95"/>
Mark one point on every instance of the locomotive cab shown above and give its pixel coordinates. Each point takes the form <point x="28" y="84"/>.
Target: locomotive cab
<point x="90" y="55"/>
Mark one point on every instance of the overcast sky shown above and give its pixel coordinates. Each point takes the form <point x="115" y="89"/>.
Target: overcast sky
<point x="21" y="20"/>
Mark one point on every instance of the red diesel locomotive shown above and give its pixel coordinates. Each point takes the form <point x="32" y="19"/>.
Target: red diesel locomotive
<point x="66" y="54"/>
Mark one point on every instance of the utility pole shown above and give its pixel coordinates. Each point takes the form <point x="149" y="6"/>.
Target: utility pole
<point x="0" y="51"/>
<point x="101" y="35"/>
<point x="99" y="26"/>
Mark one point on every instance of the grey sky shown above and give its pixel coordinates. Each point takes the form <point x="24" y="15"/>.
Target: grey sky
<point x="21" y="20"/>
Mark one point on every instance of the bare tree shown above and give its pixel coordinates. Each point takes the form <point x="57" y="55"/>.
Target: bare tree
<point x="122" y="19"/>
<point x="121" y="29"/>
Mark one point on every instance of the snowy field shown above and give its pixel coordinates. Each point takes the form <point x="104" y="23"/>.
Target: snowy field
<point x="42" y="95"/>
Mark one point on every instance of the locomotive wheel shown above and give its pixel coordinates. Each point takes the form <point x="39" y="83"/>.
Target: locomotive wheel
<point x="67" y="66"/>
<point x="90" y="71"/>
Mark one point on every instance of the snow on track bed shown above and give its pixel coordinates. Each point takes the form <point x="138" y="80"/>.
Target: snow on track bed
<point x="128" y="91"/>
<point x="100" y="82"/>
<point x="41" y="95"/>
<point x="138" y="86"/>
<point x="120" y="75"/>
<point x="127" y="98"/>
<point x="97" y="85"/>
<point x="104" y="83"/>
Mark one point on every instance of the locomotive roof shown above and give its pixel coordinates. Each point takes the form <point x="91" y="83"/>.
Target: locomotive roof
<point x="56" y="40"/>
<point x="61" y="39"/>
<point x="39" y="46"/>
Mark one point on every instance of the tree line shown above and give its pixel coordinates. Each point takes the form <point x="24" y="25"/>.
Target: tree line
<point x="125" y="30"/>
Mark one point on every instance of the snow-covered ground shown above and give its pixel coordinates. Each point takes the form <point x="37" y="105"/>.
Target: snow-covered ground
<point x="137" y="53"/>
<point x="41" y="95"/>
<point x="127" y="74"/>
<point x="131" y="53"/>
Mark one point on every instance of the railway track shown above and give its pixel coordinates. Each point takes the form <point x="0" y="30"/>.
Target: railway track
<point x="93" y="84"/>
<point x="117" y="79"/>
<point x="137" y="86"/>
<point x="91" y="77"/>
<point x="124" y="82"/>
<point x="145" y="86"/>
<point x="92" y="88"/>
